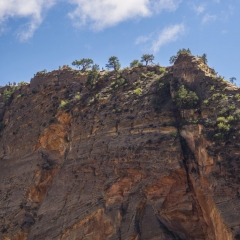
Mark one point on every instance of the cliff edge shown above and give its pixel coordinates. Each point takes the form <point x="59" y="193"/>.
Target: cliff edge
<point x="138" y="154"/>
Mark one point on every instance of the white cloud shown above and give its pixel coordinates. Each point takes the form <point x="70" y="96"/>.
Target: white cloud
<point x="98" y="14"/>
<point x="142" y="39"/>
<point x="105" y="13"/>
<point x="207" y="18"/>
<point x="169" y="34"/>
<point x="199" y="9"/>
<point x="32" y="9"/>
<point x="170" y="5"/>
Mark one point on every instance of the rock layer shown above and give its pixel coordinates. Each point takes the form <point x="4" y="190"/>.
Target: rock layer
<point x="119" y="162"/>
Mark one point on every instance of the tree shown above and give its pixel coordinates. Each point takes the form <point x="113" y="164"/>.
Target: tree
<point x="93" y="78"/>
<point x="83" y="64"/>
<point x="186" y="99"/>
<point x="113" y="62"/>
<point x="204" y="58"/>
<point x="134" y="63"/>
<point x="181" y="51"/>
<point x="232" y="80"/>
<point x="147" y="58"/>
<point x="95" y="67"/>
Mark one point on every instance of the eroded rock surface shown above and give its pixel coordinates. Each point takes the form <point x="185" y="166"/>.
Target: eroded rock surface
<point x="115" y="162"/>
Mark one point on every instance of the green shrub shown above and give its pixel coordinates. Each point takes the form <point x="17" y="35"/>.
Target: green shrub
<point x="205" y="102"/>
<point x="119" y="82"/>
<point x="237" y="96"/>
<point x="63" y="104"/>
<point x="83" y="64"/>
<point x="220" y="96"/>
<point x="134" y="63"/>
<point x="44" y="71"/>
<point x="232" y="107"/>
<point x="161" y="85"/>
<point x="219" y="136"/>
<point x="162" y="70"/>
<point x="223" y="127"/>
<point x="181" y="51"/>
<point x="92" y="79"/>
<point x="138" y="91"/>
<point x="230" y="118"/>
<point x="174" y="134"/>
<point x="7" y="94"/>
<point x="22" y="83"/>
<point x="186" y="99"/>
<point x="237" y="115"/>
<point x="212" y="88"/>
<point x="143" y="75"/>
<point x="93" y="100"/>
<point x="221" y="119"/>
<point x="221" y="77"/>
<point x="223" y="111"/>
<point x="78" y="96"/>
<point x="150" y="74"/>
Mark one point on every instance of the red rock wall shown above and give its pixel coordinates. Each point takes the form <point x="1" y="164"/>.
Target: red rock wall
<point x="113" y="165"/>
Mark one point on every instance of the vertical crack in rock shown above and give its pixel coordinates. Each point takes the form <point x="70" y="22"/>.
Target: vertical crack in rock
<point x="119" y="158"/>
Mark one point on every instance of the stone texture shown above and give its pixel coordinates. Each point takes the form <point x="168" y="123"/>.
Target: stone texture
<point x="118" y="165"/>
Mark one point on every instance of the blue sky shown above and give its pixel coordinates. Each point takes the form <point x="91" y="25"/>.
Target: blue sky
<point x="46" y="34"/>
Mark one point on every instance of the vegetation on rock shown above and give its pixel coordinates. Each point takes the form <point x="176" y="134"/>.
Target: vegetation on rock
<point x="232" y="80"/>
<point x="181" y="51"/>
<point x="204" y="58"/>
<point x="134" y="63"/>
<point x="83" y="64"/>
<point x="186" y="99"/>
<point x="113" y="63"/>
<point x="147" y="58"/>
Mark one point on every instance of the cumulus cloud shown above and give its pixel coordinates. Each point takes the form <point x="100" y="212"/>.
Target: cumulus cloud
<point x="169" y="34"/>
<point x="98" y="14"/>
<point x="105" y="13"/>
<point x="31" y="9"/>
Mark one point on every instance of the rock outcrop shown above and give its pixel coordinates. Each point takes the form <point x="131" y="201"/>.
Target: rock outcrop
<point x="118" y="157"/>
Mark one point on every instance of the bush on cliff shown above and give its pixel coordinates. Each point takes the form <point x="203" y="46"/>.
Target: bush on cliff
<point x="113" y="62"/>
<point x="134" y="63"/>
<point x="204" y="58"/>
<point x="83" y="64"/>
<point x="147" y="58"/>
<point x="8" y="94"/>
<point x="93" y="78"/>
<point x="186" y="99"/>
<point x="63" y="104"/>
<point x="181" y="51"/>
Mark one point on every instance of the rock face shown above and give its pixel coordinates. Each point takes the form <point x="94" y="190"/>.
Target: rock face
<point x="117" y="157"/>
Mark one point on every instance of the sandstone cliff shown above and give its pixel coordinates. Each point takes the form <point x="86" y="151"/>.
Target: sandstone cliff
<point x="116" y="156"/>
